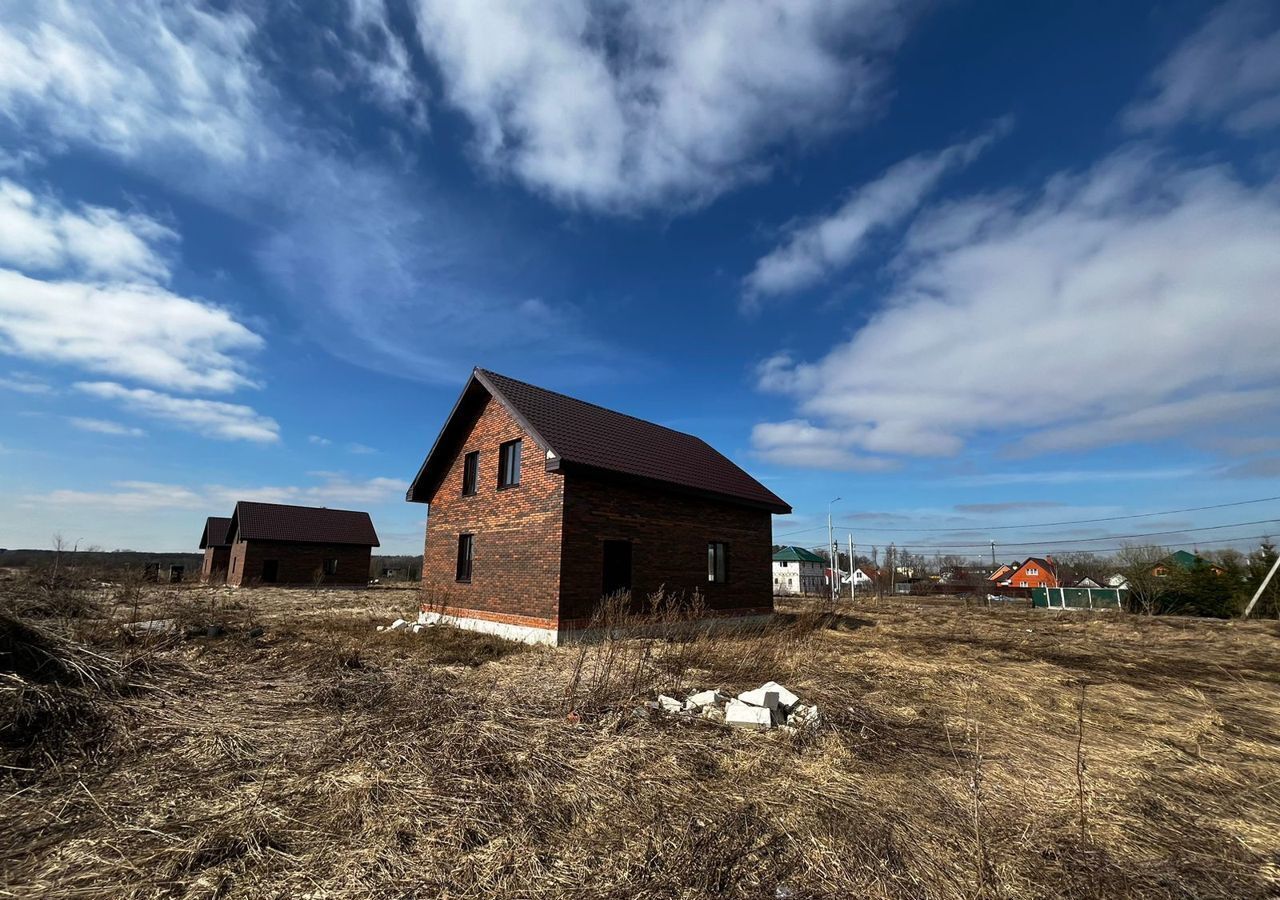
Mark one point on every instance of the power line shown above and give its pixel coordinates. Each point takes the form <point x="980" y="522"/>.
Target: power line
<point x="986" y="528"/>
<point x="1088" y="540"/>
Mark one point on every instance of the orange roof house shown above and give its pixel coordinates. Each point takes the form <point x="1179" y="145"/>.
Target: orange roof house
<point x="1035" y="572"/>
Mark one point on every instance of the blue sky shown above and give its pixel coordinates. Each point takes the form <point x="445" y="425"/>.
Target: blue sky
<point x="966" y="266"/>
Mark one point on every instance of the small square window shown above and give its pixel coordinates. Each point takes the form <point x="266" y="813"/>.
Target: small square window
<point x="331" y="567"/>
<point x="465" y="552"/>
<point x="470" y="469"/>
<point x="717" y="562"/>
<point x="509" y="464"/>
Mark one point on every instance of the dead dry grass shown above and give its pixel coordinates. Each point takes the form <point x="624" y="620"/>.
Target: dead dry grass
<point x="993" y="753"/>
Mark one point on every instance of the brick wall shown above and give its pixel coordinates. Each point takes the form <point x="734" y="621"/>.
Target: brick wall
<point x="297" y="563"/>
<point x="516" y="568"/>
<point x="669" y="533"/>
<point x="214" y="568"/>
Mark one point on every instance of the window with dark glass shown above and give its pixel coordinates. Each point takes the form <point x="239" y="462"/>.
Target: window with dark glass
<point x="470" y="469"/>
<point x="509" y="464"/>
<point x="718" y="562"/>
<point x="465" y="551"/>
<point x="331" y="567"/>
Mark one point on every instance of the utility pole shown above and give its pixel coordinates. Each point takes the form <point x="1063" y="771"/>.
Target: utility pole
<point x="993" y="556"/>
<point x="850" y="565"/>
<point x="831" y="551"/>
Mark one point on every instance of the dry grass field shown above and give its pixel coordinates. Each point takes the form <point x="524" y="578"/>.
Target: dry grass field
<point x="963" y="753"/>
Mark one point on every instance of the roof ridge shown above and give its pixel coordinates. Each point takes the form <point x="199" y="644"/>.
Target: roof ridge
<point x="607" y="409"/>
<point x="362" y="512"/>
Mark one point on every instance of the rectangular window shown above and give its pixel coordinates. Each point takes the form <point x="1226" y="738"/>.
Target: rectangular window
<point x="465" y="552"/>
<point x="718" y="562"/>
<point x="470" y="468"/>
<point x="331" y="567"/>
<point x="509" y="464"/>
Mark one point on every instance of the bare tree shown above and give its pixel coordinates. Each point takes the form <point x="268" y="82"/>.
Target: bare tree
<point x="1138" y="563"/>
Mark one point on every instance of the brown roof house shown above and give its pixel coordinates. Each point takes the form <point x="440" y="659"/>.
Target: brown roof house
<point x="217" y="552"/>
<point x="540" y="505"/>
<point x="271" y="543"/>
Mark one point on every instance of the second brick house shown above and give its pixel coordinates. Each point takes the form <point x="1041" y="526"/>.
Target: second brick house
<point x="274" y="543"/>
<point x="539" y="504"/>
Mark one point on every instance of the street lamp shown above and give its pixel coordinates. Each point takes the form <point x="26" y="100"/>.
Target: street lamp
<point x="831" y="549"/>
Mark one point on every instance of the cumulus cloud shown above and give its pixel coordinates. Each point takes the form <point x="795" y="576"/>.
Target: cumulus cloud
<point x="39" y="234"/>
<point x="1227" y="72"/>
<point x="1129" y="302"/>
<point x="815" y="248"/>
<point x="632" y="105"/>
<point x="800" y="443"/>
<point x="105" y="426"/>
<point x="208" y="418"/>
<point x="134" y="330"/>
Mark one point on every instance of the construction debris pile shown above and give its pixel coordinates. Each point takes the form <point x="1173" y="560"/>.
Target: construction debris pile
<point x="425" y="620"/>
<point x="769" y="706"/>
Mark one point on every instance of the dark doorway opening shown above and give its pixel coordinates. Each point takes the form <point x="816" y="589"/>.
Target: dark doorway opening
<point x="617" y="567"/>
<point x="270" y="570"/>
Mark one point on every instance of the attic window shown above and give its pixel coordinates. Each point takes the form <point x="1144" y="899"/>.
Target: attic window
<point x="509" y="464"/>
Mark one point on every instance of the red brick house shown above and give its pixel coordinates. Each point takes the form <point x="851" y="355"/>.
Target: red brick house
<point x="271" y="543"/>
<point x="1035" y="572"/>
<point x="217" y="552"/>
<point x="540" y="504"/>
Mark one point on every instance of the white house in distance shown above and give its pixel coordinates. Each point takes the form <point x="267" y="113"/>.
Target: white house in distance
<point x="865" y="577"/>
<point x="798" y="571"/>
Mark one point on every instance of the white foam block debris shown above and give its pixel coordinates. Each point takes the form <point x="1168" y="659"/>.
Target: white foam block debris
<point x="760" y="697"/>
<point x="703" y="699"/>
<point x="786" y="699"/>
<point x="746" y="715"/>
<point x="398" y="624"/>
<point x="769" y="706"/>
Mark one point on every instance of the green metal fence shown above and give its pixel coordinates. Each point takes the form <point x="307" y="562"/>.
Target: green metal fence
<point x="1077" y="598"/>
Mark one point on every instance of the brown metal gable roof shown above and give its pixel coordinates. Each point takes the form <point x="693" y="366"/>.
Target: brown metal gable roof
<point x="581" y="433"/>
<point x="301" y="524"/>
<point x="215" y="532"/>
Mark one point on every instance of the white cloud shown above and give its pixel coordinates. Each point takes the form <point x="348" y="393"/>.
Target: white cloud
<point x="133" y="75"/>
<point x="209" y="418"/>
<point x="136" y="330"/>
<point x="1228" y="71"/>
<point x="105" y="426"/>
<point x="375" y="263"/>
<point x="38" y="234"/>
<point x="382" y="58"/>
<point x="630" y="105"/>
<point x="361" y="449"/>
<point x="1131" y="302"/>
<point x="142" y="496"/>
<point x="800" y="443"/>
<point x="26" y="384"/>
<point x="318" y="440"/>
<point x="816" y="248"/>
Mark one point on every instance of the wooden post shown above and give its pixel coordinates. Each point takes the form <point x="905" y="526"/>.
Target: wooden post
<point x="1262" y="587"/>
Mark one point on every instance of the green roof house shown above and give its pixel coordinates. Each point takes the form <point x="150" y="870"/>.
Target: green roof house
<point x="798" y="571"/>
<point x="1181" y="559"/>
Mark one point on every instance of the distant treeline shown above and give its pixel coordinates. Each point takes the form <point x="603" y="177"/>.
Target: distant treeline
<point x="105" y="559"/>
<point x="383" y="567"/>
